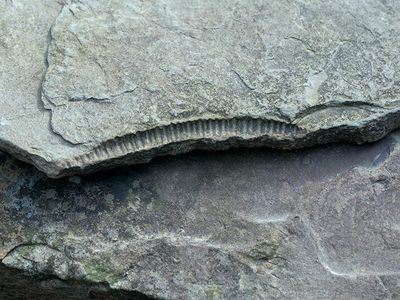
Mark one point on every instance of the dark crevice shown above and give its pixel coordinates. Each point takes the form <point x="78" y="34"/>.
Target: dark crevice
<point x="49" y="38"/>
<point x="28" y="245"/>
<point x="15" y="284"/>
<point x="344" y="104"/>
<point x="103" y="100"/>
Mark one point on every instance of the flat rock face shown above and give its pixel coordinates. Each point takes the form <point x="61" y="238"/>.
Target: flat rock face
<point x="119" y="82"/>
<point x="250" y="224"/>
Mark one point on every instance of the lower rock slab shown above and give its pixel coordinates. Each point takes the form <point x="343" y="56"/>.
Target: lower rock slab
<point x="319" y="223"/>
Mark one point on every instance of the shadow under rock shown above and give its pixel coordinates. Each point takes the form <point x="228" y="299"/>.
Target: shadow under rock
<point x="14" y="284"/>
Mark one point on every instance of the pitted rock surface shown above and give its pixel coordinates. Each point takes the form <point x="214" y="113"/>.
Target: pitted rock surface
<point x="91" y="84"/>
<point x="17" y="284"/>
<point x="319" y="223"/>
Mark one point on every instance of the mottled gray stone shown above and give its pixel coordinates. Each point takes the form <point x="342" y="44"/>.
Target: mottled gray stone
<point x="15" y="284"/>
<point x="119" y="82"/>
<point x="319" y="223"/>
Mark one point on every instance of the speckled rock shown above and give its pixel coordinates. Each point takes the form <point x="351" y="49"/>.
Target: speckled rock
<point x="318" y="223"/>
<point x="15" y="284"/>
<point x="92" y="84"/>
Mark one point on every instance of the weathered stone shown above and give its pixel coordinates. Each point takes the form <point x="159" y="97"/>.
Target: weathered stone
<point x="14" y="284"/>
<point x="128" y="80"/>
<point x="319" y="223"/>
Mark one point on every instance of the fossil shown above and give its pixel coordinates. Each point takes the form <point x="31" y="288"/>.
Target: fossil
<point x="86" y="85"/>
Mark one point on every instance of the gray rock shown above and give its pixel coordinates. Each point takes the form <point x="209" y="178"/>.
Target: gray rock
<point x="319" y="223"/>
<point x="14" y="284"/>
<point x="130" y="80"/>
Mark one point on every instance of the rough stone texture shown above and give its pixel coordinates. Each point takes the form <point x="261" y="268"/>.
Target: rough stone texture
<point x="14" y="284"/>
<point x="119" y="82"/>
<point x="320" y="223"/>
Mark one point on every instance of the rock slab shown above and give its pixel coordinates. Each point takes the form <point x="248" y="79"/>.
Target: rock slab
<point x="320" y="223"/>
<point x="86" y="85"/>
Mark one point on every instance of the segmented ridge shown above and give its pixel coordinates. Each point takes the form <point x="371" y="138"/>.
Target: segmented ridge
<point x="192" y="130"/>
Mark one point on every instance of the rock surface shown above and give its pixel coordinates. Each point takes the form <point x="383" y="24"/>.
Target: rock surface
<point x="91" y="84"/>
<point x="319" y="223"/>
<point x="14" y="284"/>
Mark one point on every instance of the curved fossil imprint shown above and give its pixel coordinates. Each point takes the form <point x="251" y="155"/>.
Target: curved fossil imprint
<point x="213" y="134"/>
<point x="93" y="84"/>
<point x="217" y="132"/>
